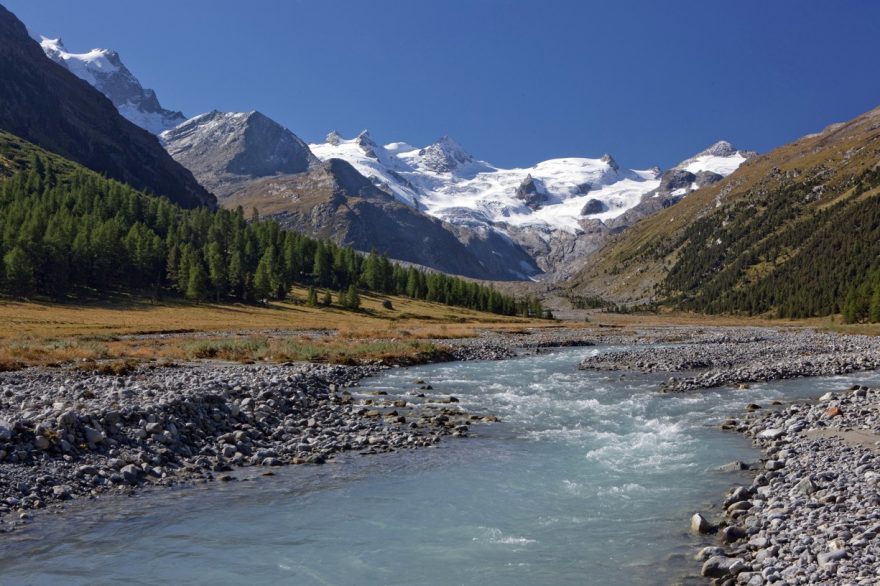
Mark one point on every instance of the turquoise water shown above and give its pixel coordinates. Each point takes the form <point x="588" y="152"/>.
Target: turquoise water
<point x="590" y="478"/>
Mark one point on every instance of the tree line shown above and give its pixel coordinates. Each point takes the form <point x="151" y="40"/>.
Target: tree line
<point x="66" y="231"/>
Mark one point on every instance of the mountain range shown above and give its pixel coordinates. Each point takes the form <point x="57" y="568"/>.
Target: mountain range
<point x="558" y="210"/>
<point x="795" y="231"/>
<point x="520" y="223"/>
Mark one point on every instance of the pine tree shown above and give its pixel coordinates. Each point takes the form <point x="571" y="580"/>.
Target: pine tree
<point x="235" y="274"/>
<point x="19" y="271"/>
<point x="216" y="269"/>
<point x="312" y="297"/>
<point x="327" y="300"/>
<point x="352" y="299"/>
<point x="263" y="281"/>
<point x="874" y="309"/>
<point x="323" y="266"/>
<point x="197" y="282"/>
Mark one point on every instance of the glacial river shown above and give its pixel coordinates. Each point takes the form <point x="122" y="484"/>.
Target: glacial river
<point x="590" y="478"/>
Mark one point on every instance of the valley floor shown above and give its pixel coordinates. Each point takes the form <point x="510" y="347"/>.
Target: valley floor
<point x="127" y="395"/>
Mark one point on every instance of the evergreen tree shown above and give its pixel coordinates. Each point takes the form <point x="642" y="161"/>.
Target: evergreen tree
<point x="874" y="308"/>
<point x="216" y="269"/>
<point x="323" y="266"/>
<point x="19" y="271"/>
<point x="352" y="299"/>
<point x="263" y="279"/>
<point x="197" y="282"/>
<point x="65" y="230"/>
<point x="327" y="300"/>
<point x="312" y="297"/>
<point x="235" y="274"/>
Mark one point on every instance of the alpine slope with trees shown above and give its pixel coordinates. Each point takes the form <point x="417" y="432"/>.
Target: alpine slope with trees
<point x="67" y="231"/>
<point x="794" y="233"/>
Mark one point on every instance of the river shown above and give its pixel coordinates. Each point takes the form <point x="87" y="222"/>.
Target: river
<point x="589" y="478"/>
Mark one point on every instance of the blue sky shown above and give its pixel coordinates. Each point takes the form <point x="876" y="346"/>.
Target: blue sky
<point x="514" y="81"/>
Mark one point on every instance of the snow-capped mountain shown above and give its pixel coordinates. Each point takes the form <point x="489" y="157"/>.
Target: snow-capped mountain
<point x="515" y="222"/>
<point x="543" y="207"/>
<point x="447" y="182"/>
<point x="225" y="150"/>
<point x="104" y="70"/>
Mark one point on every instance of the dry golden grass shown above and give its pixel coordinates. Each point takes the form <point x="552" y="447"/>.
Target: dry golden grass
<point x="127" y="330"/>
<point x="113" y="336"/>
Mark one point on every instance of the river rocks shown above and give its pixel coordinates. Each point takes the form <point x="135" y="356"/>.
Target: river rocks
<point x="720" y="567"/>
<point x="771" y="433"/>
<point x="708" y="552"/>
<point x="737" y="356"/>
<point x="806" y="487"/>
<point x="734" y="466"/>
<point x="827" y="558"/>
<point x="700" y="524"/>
<point x="813" y="515"/>
<point x="92" y="435"/>
<point x="166" y="426"/>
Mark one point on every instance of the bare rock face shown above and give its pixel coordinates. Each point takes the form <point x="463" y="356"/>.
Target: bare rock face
<point x="675" y="179"/>
<point x="332" y="200"/>
<point x="675" y="184"/>
<point x="532" y="192"/>
<point x="333" y="138"/>
<point x="706" y="178"/>
<point x="51" y="107"/>
<point x="226" y="150"/>
<point x="367" y="144"/>
<point x="593" y="206"/>
<point x="606" y="158"/>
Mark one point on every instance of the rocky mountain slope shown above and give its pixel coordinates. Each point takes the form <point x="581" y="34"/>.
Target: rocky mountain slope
<point x="226" y="150"/>
<point x="793" y="231"/>
<point x="104" y="70"/>
<point x="46" y="104"/>
<point x="248" y="159"/>
<point x="331" y="200"/>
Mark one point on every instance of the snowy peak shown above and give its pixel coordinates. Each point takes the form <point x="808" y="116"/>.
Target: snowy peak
<point x="609" y="160"/>
<point x="225" y="149"/>
<point x="722" y="148"/>
<point x="367" y="144"/>
<point x="104" y="70"/>
<point x="721" y="158"/>
<point x="444" y="156"/>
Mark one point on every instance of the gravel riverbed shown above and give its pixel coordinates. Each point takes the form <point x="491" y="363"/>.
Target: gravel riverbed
<point x="69" y="434"/>
<point x="812" y="513"/>
<point x="810" y="516"/>
<point x="731" y="356"/>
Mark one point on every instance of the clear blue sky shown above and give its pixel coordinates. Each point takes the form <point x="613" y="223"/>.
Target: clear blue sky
<point x="514" y="81"/>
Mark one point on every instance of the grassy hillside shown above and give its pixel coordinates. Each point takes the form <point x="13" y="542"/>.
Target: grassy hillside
<point x="792" y="232"/>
